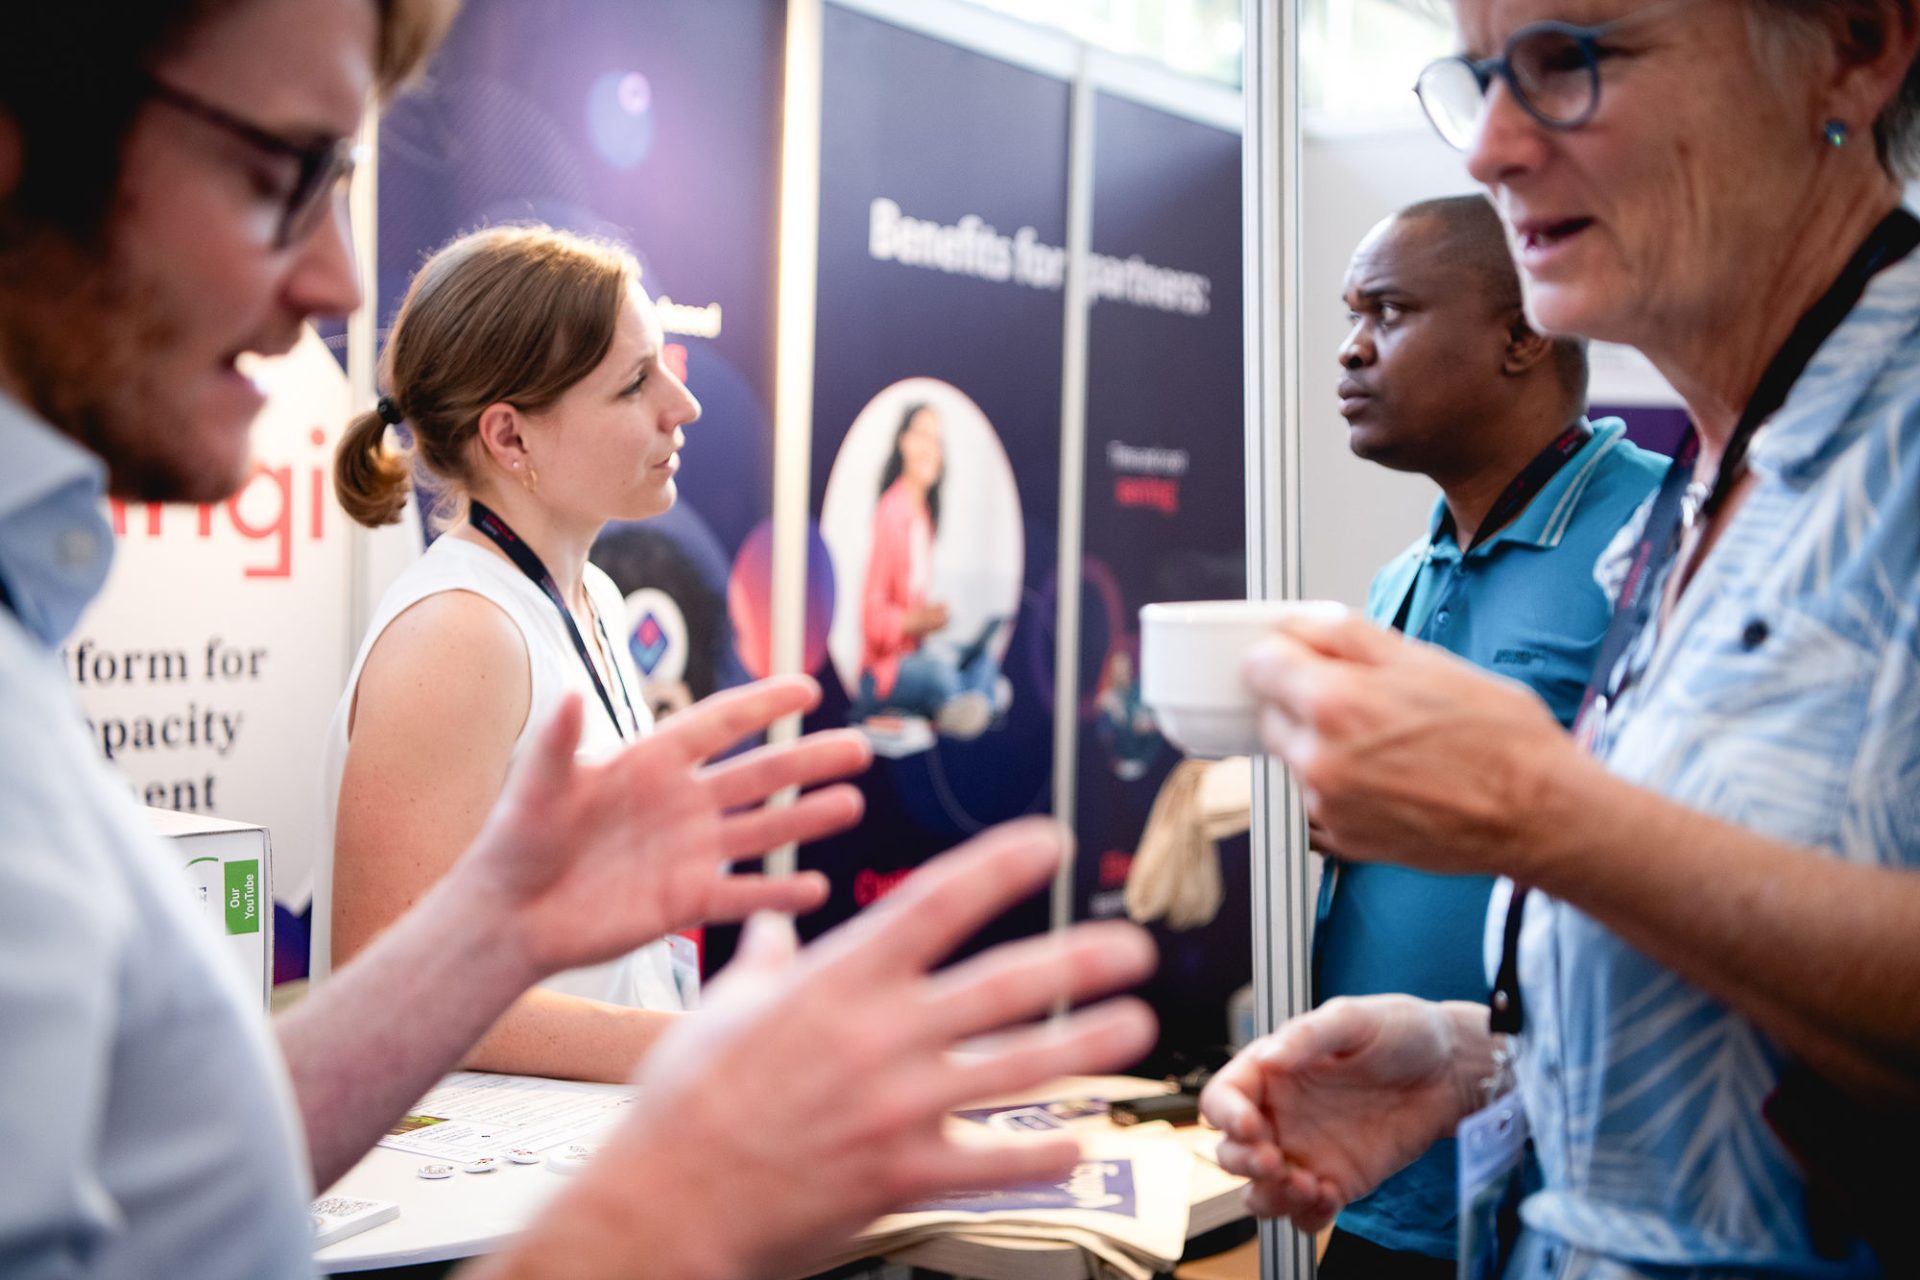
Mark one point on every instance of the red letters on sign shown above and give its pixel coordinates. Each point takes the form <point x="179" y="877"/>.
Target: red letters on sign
<point x="262" y="511"/>
<point x="1152" y="492"/>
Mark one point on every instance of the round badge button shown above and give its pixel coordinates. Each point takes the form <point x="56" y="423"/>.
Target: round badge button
<point x="570" y="1159"/>
<point x="435" y="1172"/>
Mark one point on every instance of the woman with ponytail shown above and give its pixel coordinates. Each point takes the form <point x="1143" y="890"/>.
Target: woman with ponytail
<point x="526" y="367"/>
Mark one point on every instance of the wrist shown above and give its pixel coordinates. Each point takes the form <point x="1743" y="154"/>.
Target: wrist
<point x="1555" y="806"/>
<point x="482" y="933"/>
<point x="1471" y="1047"/>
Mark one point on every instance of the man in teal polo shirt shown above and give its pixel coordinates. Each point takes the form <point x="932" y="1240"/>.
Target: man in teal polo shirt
<point x="1442" y="375"/>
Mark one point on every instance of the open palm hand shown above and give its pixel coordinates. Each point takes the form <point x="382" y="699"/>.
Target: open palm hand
<point x="595" y="859"/>
<point x="1336" y="1101"/>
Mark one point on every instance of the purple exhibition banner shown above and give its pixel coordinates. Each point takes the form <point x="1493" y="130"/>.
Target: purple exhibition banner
<point x="936" y="458"/>
<point x="936" y="441"/>
<point x="1165" y="510"/>
<point x="1656" y="427"/>
<point x="655" y="124"/>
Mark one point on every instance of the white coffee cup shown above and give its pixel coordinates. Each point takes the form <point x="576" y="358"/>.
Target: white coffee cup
<point x="1190" y="658"/>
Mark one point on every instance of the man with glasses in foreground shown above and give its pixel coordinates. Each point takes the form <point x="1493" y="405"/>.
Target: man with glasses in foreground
<point x="1704" y="963"/>
<point x="170" y="175"/>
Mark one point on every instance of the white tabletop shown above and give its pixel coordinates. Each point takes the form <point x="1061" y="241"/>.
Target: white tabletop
<point x="456" y="1217"/>
<point x="469" y="1214"/>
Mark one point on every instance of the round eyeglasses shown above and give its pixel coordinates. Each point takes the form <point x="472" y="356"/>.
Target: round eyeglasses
<point x="321" y="169"/>
<point x="1552" y="68"/>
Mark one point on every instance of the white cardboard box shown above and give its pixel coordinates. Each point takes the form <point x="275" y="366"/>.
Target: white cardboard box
<point x="228" y="872"/>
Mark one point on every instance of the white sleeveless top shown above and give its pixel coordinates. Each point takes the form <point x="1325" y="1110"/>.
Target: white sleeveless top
<point x="644" y="979"/>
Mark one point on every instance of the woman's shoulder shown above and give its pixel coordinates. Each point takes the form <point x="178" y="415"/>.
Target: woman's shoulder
<point x="455" y="567"/>
<point x="450" y="612"/>
<point x="452" y="562"/>
<point x="449" y="633"/>
<point x="452" y="657"/>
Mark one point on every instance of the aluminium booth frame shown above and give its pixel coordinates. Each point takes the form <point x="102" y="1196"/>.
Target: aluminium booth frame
<point x="1282" y="906"/>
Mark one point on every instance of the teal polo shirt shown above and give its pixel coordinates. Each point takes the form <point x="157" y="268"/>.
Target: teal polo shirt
<point x="1524" y="604"/>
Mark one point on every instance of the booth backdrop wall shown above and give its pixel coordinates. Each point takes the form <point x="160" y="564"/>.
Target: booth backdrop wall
<point x="955" y="139"/>
<point x="1165" y="513"/>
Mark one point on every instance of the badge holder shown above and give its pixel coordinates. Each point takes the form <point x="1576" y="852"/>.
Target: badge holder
<point x="1492" y="1147"/>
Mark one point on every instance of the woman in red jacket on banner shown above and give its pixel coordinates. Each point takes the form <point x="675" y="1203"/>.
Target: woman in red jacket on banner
<point x="903" y="671"/>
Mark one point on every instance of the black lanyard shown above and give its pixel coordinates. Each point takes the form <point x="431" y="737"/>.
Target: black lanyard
<point x="1514" y="499"/>
<point x="1676" y="508"/>
<point x="481" y="517"/>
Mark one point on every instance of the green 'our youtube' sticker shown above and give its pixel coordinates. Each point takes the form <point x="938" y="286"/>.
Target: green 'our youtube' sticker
<point x="243" y="897"/>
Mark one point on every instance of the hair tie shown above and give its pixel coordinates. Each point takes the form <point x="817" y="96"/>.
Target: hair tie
<point x="389" y="411"/>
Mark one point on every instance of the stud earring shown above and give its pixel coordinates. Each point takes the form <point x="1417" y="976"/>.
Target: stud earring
<point x="1836" y="132"/>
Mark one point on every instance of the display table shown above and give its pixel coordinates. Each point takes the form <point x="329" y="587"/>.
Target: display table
<point x="470" y="1214"/>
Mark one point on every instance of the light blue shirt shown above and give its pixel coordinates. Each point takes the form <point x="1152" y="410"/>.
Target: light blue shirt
<point x="145" y="1118"/>
<point x="1782" y="695"/>
<point x="1524" y="603"/>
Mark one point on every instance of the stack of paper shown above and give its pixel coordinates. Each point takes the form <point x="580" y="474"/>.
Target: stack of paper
<point x="472" y="1114"/>
<point x="1124" y="1206"/>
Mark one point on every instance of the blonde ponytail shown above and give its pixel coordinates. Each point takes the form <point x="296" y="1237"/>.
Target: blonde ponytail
<point x="370" y="476"/>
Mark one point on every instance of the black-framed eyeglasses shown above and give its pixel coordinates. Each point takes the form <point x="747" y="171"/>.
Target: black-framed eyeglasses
<point x="1552" y="68"/>
<point x="320" y="168"/>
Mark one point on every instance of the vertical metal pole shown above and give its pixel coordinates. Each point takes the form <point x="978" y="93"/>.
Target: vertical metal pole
<point x="363" y="217"/>
<point x="1271" y="237"/>
<point x="793" y="364"/>
<point x="1073" y="452"/>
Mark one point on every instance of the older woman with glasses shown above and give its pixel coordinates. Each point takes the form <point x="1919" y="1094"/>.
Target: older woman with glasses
<point x="1707" y="969"/>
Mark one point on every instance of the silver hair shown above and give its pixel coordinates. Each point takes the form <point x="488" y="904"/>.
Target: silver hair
<point x="1896" y="134"/>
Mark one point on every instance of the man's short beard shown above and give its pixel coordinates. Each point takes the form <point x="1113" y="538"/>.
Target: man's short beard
<point x="78" y="339"/>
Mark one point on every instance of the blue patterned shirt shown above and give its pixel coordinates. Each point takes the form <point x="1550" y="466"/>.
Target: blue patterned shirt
<point x="1783" y="695"/>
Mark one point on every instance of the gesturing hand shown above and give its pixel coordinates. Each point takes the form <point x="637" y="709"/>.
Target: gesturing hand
<point x="1402" y="751"/>
<point x="593" y="860"/>
<point x="810" y="1093"/>
<point x="1333" y="1103"/>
